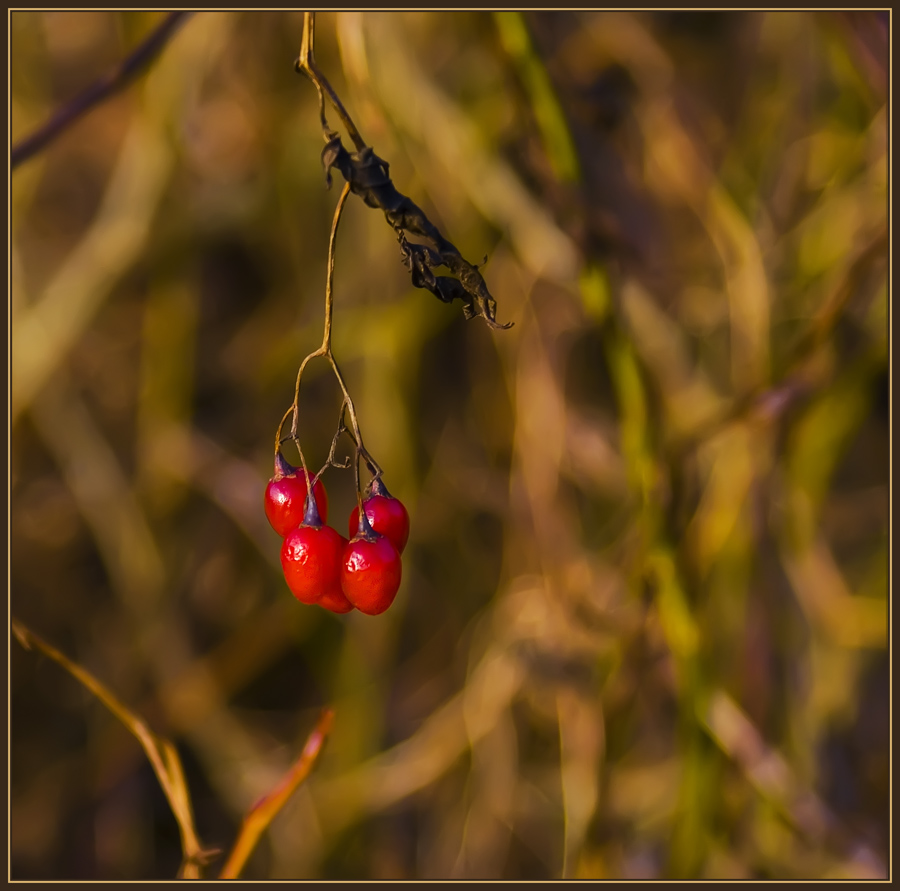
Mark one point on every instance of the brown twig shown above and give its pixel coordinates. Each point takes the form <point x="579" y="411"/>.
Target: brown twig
<point x="162" y="754"/>
<point x="97" y="92"/>
<point x="306" y="63"/>
<point x="265" y="810"/>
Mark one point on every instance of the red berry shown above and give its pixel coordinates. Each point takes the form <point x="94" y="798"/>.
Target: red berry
<point x="311" y="559"/>
<point x="385" y="514"/>
<point x="370" y="572"/>
<point x="285" y="498"/>
<point x="335" y="600"/>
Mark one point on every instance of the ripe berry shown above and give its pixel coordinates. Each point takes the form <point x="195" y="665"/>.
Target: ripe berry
<point x="311" y="559"/>
<point x="335" y="600"/>
<point x="285" y="498"/>
<point x="385" y="514"/>
<point x="370" y="571"/>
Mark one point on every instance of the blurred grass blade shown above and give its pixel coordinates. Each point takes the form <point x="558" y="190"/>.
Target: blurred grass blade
<point x="676" y="163"/>
<point x="764" y="767"/>
<point x="631" y="397"/>
<point x="430" y="116"/>
<point x="264" y="811"/>
<point x="548" y="112"/>
<point x="162" y="754"/>
<point x="582" y="742"/>
<point x="44" y="332"/>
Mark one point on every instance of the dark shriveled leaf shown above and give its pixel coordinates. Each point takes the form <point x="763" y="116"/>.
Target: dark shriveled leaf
<point x="369" y="178"/>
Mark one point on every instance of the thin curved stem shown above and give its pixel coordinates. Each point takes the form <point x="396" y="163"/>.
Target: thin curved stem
<point x="354" y="423"/>
<point x="359" y="503"/>
<point x="321" y="351"/>
<point x="306" y="63"/>
<point x="162" y="754"/>
<point x="332" y="458"/>
<point x="279" y="439"/>
<point x="325" y="349"/>
<point x="307" y="60"/>
<point x="264" y="811"/>
<point x="329" y="275"/>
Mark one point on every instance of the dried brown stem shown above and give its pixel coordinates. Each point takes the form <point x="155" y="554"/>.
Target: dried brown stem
<point x="162" y="754"/>
<point x="265" y="810"/>
<point x="306" y="62"/>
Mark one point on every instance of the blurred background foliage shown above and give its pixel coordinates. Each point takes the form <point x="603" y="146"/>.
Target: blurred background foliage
<point x="642" y="631"/>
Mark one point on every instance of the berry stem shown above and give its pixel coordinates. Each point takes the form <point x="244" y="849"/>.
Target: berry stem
<point x="329" y="276"/>
<point x="279" y="439"/>
<point x="359" y="504"/>
<point x="306" y="63"/>
<point x="332" y="458"/>
<point x="325" y="350"/>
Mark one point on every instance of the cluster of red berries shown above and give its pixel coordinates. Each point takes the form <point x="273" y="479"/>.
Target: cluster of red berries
<point x="320" y="565"/>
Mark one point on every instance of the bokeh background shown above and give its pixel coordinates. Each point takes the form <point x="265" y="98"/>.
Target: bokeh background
<point x="642" y="631"/>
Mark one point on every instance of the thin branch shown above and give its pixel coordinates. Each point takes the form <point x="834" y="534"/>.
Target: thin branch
<point x="265" y="810"/>
<point x="306" y="63"/>
<point x="99" y="91"/>
<point x="325" y="349"/>
<point x="329" y="275"/>
<point x="162" y="754"/>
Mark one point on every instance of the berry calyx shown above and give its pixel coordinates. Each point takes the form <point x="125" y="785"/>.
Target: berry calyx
<point x="370" y="571"/>
<point x="286" y="494"/>
<point x="385" y="514"/>
<point x="311" y="558"/>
